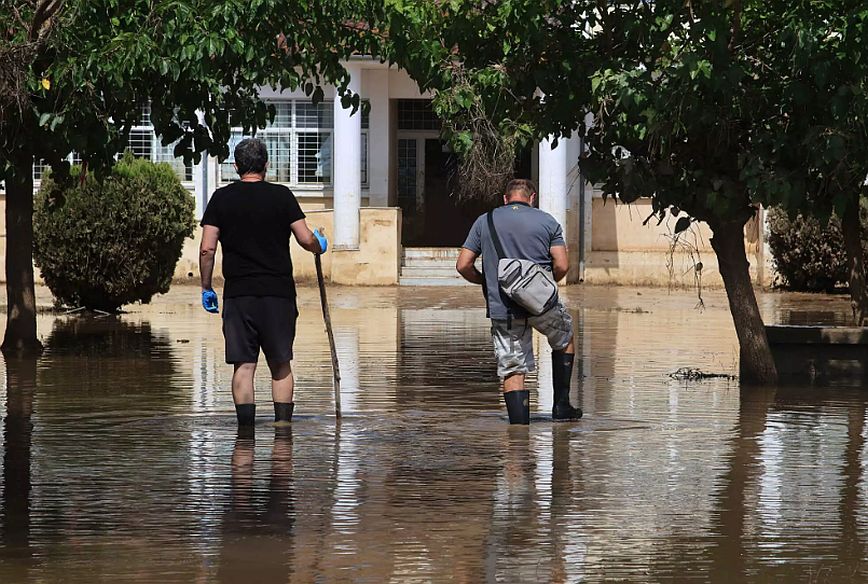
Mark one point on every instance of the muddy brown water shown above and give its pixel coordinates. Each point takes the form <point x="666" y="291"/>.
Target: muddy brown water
<point x="121" y="461"/>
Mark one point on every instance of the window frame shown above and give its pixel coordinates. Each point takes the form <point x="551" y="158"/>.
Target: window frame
<point x="296" y="130"/>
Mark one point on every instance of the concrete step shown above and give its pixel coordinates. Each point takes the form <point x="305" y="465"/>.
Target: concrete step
<point x="431" y="266"/>
<point x="429" y="262"/>
<point x="431" y="253"/>
<point x="459" y="281"/>
<point x="430" y="271"/>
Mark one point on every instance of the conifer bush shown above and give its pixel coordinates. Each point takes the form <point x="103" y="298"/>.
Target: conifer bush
<point x="809" y="254"/>
<point x="105" y="242"/>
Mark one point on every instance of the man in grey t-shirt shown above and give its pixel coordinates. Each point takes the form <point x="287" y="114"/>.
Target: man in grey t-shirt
<point x="529" y="234"/>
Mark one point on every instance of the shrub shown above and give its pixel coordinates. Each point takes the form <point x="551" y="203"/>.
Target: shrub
<point x="809" y="255"/>
<point x="103" y="243"/>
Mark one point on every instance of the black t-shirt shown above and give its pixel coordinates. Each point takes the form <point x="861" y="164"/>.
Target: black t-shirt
<point x="254" y="220"/>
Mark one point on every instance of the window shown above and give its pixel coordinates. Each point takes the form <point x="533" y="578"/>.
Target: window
<point x="40" y="167"/>
<point x="143" y="143"/>
<point x="417" y="114"/>
<point x="300" y="145"/>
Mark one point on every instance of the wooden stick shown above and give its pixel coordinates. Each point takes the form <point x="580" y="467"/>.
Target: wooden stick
<point x="336" y="370"/>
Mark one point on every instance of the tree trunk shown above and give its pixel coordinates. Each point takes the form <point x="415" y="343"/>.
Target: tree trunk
<point x="20" y="339"/>
<point x="756" y="364"/>
<point x="851" y="227"/>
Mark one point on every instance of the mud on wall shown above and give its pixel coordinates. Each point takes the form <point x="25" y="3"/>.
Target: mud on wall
<point x="377" y="262"/>
<point x="626" y="252"/>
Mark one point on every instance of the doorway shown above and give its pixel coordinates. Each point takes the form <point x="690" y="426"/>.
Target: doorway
<point x="432" y="216"/>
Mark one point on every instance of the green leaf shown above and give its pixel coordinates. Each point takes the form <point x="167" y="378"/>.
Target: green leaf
<point x="683" y="224"/>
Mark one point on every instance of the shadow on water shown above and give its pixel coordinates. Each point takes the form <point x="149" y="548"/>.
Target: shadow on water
<point x="95" y="366"/>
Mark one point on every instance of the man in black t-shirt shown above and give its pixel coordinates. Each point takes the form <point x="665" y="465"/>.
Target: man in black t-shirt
<point x="253" y="220"/>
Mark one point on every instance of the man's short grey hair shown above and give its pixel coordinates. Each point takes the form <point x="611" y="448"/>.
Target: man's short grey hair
<point x="251" y="155"/>
<point x="520" y="187"/>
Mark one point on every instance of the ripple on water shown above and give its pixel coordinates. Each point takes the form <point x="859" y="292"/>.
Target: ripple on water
<point x="122" y="462"/>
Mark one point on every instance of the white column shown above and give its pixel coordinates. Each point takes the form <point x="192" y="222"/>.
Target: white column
<point x="347" y="167"/>
<point x="553" y="186"/>
<point x="376" y="88"/>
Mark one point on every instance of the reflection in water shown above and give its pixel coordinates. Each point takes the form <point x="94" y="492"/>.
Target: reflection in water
<point x="17" y="443"/>
<point x="259" y="517"/>
<point x="121" y="460"/>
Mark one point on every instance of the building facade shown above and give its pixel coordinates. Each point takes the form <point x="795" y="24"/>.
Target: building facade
<point x="380" y="181"/>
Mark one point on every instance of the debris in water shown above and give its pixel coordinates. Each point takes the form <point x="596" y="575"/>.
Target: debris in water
<point x="694" y="374"/>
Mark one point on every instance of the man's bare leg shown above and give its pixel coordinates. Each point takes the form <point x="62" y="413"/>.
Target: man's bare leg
<point x="282" y="390"/>
<point x="514" y="382"/>
<point x="242" y="393"/>
<point x="517" y="399"/>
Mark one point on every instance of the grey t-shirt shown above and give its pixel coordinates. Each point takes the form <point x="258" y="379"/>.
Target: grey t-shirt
<point x="525" y="233"/>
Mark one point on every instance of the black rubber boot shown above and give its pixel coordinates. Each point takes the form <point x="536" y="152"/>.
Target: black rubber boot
<point x="246" y="414"/>
<point x="562" y="371"/>
<point x="283" y="411"/>
<point x="518" y="406"/>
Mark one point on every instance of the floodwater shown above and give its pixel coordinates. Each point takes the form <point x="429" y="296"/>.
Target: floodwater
<point x="121" y="461"/>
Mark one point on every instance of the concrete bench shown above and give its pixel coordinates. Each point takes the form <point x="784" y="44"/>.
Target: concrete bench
<point x="820" y="355"/>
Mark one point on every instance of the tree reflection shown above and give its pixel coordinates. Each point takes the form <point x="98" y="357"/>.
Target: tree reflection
<point x="728" y="554"/>
<point x="17" y="438"/>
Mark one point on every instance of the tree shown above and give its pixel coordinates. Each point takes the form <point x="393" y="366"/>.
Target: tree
<point x="75" y="75"/>
<point x="682" y="94"/>
<point x="818" y="142"/>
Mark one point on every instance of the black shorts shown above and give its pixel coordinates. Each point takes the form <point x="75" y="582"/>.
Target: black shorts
<point x="254" y="322"/>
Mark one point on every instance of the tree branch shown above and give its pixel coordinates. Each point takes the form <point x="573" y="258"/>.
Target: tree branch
<point x="45" y="10"/>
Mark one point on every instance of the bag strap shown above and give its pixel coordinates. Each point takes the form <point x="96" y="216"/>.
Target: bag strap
<point x="498" y="248"/>
<point x="494" y="238"/>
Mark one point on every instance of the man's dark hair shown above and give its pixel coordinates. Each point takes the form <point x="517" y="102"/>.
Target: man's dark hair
<point x="250" y="156"/>
<point x="520" y="187"/>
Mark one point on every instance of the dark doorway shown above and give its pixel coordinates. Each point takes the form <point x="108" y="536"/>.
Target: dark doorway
<point x="446" y="221"/>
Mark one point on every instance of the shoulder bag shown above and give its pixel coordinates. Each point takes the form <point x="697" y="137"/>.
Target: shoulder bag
<point x="528" y="284"/>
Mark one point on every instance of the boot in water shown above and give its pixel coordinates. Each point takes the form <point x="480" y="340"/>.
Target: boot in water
<point x="246" y="414"/>
<point x="283" y="412"/>
<point x="562" y="371"/>
<point x="518" y="406"/>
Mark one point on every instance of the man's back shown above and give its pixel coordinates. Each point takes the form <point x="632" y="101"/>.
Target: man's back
<point x="254" y="220"/>
<point x="525" y="233"/>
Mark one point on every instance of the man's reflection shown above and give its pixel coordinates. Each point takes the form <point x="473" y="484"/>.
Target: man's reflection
<point x="513" y="551"/>
<point x="259" y="521"/>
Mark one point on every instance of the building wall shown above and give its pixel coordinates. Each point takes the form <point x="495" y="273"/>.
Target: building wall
<point x="377" y="262"/>
<point x="624" y="251"/>
<point x="619" y="249"/>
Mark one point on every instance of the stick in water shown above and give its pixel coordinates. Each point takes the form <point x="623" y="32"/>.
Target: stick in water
<point x="328" y="323"/>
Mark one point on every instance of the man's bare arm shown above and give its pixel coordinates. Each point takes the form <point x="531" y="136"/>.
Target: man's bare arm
<point x="207" y="251"/>
<point x="466" y="266"/>
<point x="560" y="262"/>
<point x="305" y="237"/>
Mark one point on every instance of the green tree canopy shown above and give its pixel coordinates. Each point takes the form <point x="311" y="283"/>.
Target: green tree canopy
<point x="76" y="73"/>
<point x="707" y="108"/>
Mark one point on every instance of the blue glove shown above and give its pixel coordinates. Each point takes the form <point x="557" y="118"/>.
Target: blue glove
<point x="209" y="301"/>
<point x="323" y="242"/>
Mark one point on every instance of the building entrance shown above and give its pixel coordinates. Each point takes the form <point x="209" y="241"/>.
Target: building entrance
<point x="432" y="216"/>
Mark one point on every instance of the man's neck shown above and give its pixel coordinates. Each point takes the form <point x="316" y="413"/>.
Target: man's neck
<point x="518" y="202"/>
<point x="251" y="177"/>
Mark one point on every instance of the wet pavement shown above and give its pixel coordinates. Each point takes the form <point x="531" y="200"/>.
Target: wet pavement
<point x="121" y="461"/>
